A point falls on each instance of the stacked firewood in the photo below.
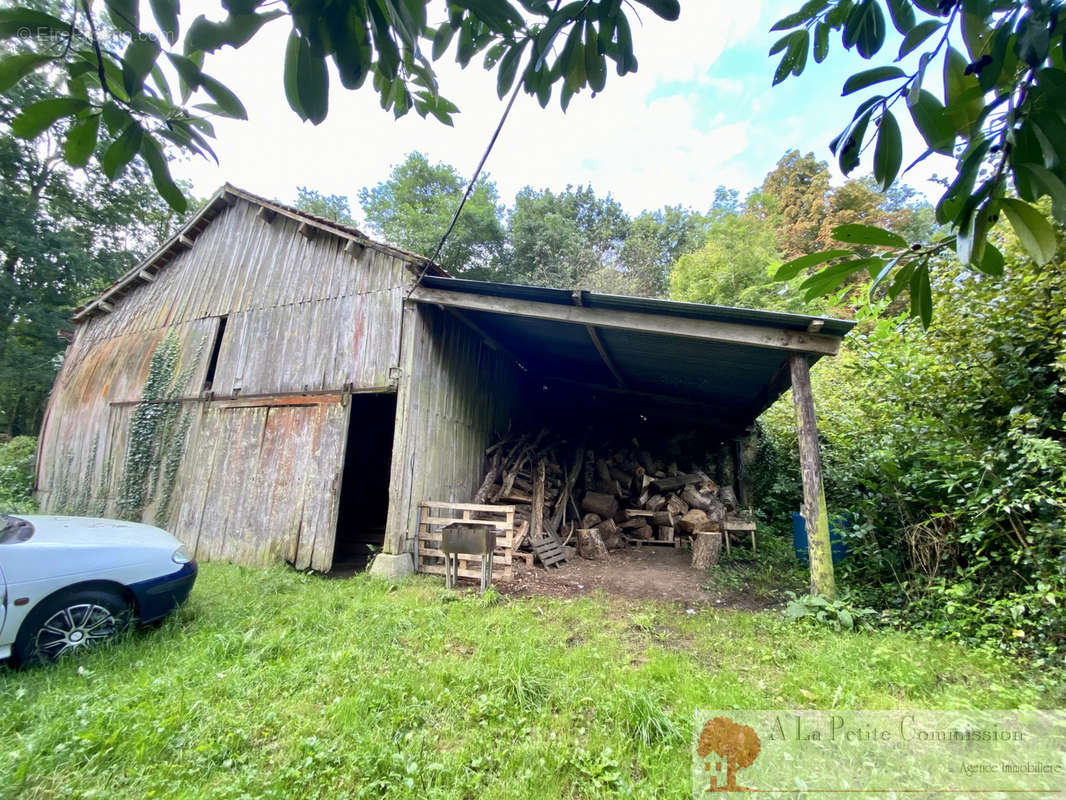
(598, 499)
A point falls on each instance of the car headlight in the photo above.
(181, 555)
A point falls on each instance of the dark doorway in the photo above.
(364, 500)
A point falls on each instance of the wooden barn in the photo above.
(272, 386)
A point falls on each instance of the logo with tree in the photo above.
(736, 745)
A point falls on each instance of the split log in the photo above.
(536, 521)
(676, 505)
(678, 481)
(609, 534)
(644, 533)
(598, 503)
(666, 533)
(706, 548)
(520, 532)
(728, 498)
(631, 524)
(655, 503)
(590, 545)
(664, 518)
(487, 485)
(697, 500)
(590, 520)
(694, 521)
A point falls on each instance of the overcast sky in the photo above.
(699, 112)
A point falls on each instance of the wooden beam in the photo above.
(598, 344)
(105, 306)
(185, 241)
(662, 324)
(489, 340)
(816, 325)
(146, 276)
(819, 554)
(352, 247)
(307, 230)
(268, 215)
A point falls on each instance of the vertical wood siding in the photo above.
(455, 394)
(257, 480)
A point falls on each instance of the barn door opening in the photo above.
(364, 499)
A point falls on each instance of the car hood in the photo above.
(96, 532)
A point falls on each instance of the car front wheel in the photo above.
(71, 622)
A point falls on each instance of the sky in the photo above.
(700, 112)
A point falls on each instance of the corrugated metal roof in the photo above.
(726, 383)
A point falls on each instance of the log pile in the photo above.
(598, 499)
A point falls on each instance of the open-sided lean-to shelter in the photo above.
(270, 385)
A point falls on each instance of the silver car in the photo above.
(67, 583)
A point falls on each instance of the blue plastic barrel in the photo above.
(799, 538)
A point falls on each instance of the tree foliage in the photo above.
(413, 208)
(948, 449)
(333, 207)
(65, 234)
(130, 92)
(997, 106)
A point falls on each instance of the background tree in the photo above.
(799, 185)
(334, 206)
(731, 268)
(998, 108)
(65, 234)
(564, 239)
(656, 239)
(412, 209)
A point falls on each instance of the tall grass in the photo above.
(273, 684)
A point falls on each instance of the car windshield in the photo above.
(14, 530)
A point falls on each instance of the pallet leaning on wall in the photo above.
(433, 516)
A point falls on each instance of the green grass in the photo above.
(270, 683)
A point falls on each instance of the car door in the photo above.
(3, 602)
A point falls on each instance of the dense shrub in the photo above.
(16, 475)
(949, 448)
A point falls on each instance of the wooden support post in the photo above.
(819, 554)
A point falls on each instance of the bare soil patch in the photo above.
(645, 573)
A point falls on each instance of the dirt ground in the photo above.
(635, 573)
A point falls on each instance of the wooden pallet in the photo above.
(433, 516)
(638, 542)
(549, 550)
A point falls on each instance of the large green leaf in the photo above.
(509, 67)
(164, 183)
(292, 72)
(918, 34)
(39, 117)
(888, 154)
(125, 15)
(902, 13)
(228, 103)
(1050, 184)
(236, 30)
(81, 141)
(933, 124)
(1034, 232)
(868, 234)
(16, 21)
(860, 80)
(166, 17)
(122, 150)
(790, 269)
(15, 68)
(667, 9)
(830, 278)
(137, 62)
(963, 94)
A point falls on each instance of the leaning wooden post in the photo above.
(819, 554)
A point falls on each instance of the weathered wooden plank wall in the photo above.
(455, 393)
(255, 480)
